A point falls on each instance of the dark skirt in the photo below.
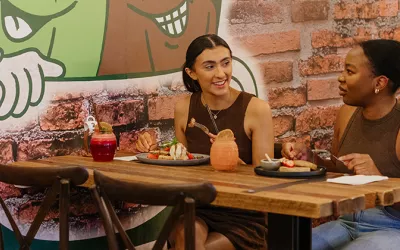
(245, 229)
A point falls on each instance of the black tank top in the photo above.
(232, 118)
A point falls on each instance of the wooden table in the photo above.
(290, 203)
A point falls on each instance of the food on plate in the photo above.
(159, 152)
(173, 150)
(294, 169)
(296, 165)
(288, 163)
(165, 157)
(306, 164)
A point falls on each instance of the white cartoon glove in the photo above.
(22, 81)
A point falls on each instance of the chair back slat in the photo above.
(183, 197)
(157, 195)
(168, 225)
(42, 176)
(57, 180)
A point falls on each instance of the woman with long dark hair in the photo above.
(207, 73)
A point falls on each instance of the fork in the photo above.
(202, 127)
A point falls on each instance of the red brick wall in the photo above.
(300, 46)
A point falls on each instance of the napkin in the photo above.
(126, 158)
(357, 179)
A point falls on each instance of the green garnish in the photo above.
(170, 143)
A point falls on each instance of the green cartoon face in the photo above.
(61, 30)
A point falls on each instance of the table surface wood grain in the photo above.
(313, 199)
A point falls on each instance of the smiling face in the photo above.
(61, 30)
(152, 36)
(213, 70)
(357, 81)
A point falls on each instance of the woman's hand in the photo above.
(360, 164)
(295, 151)
(212, 137)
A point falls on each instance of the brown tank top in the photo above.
(374, 137)
(232, 118)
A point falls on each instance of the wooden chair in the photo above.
(182, 196)
(57, 180)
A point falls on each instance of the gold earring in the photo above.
(376, 91)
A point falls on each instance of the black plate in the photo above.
(321, 171)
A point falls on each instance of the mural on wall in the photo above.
(50, 47)
(60, 41)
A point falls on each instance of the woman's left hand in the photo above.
(212, 137)
(360, 164)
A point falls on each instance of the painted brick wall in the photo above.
(300, 46)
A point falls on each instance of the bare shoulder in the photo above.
(258, 107)
(181, 114)
(344, 114)
(182, 106)
(342, 119)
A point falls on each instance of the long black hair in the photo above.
(197, 46)
(384, 57)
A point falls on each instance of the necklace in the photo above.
(215, 115)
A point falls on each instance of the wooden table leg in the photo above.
(289, 232)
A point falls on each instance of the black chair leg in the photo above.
(1, 240)
(190, 218)
(64, 212)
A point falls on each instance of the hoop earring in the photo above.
(376, 91)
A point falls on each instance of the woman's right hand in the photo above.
(295, 151)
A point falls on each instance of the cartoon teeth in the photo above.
(174, 22)
(16, 27)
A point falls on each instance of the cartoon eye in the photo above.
(16, 27)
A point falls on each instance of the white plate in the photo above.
(205, 159)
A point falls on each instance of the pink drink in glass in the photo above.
(103, 146)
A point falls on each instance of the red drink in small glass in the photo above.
(103, 146)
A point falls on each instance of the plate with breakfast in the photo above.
(173, 154)
(286, 168)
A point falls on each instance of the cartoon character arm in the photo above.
(22, 80)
